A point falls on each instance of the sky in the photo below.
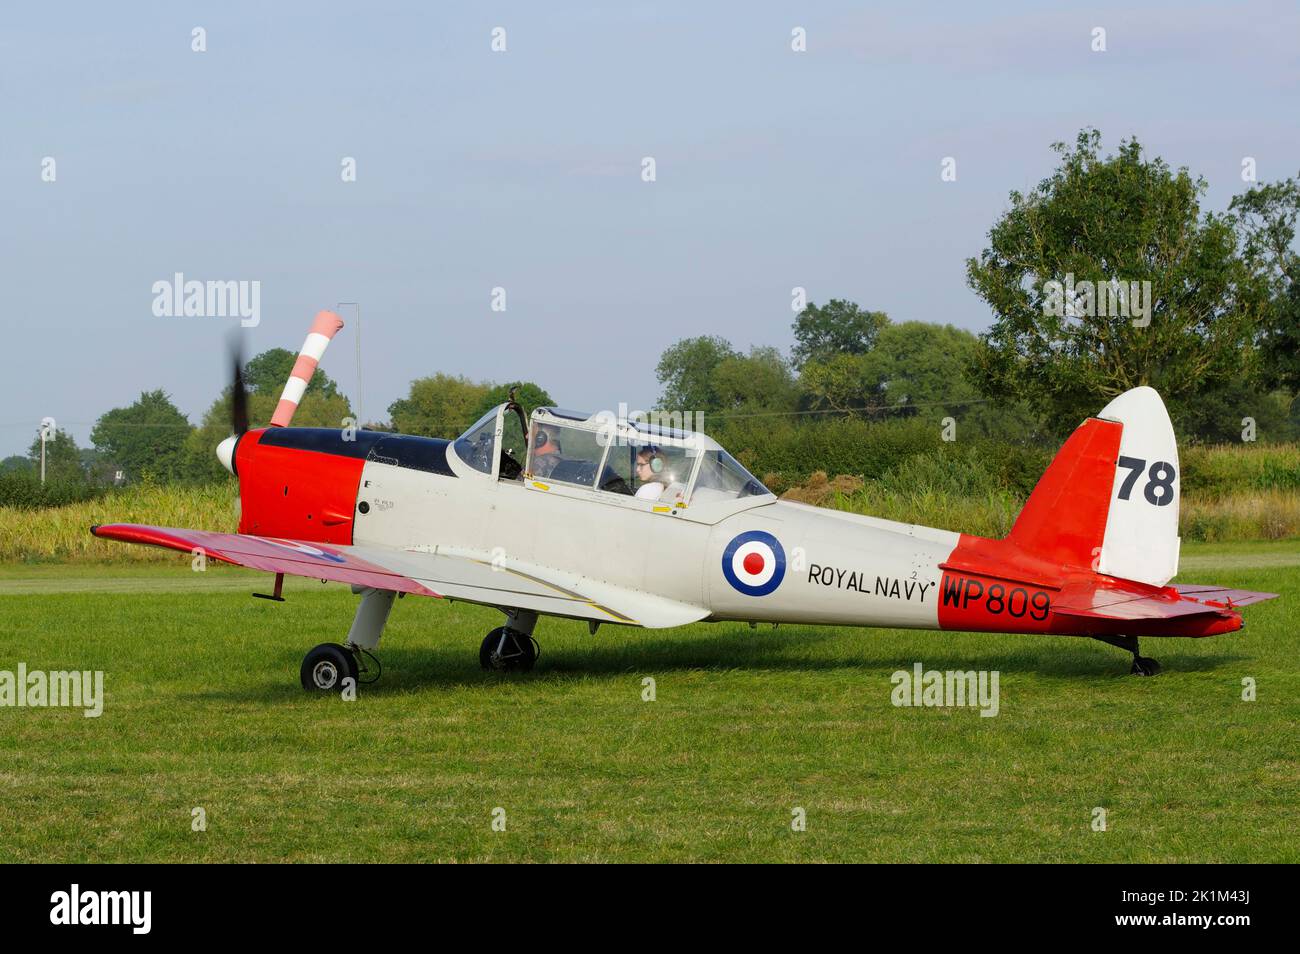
(523, 170)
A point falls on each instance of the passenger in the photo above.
(545, 450)
(651, 474)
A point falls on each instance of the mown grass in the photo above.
(203, 710)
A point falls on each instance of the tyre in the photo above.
(325, 668)
(516, 653)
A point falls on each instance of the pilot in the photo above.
(651, 473)
(546, 450)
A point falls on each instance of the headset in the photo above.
(656, 460)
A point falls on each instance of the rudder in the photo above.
(1109, 500)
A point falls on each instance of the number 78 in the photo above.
(1159, 489)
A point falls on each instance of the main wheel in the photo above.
(516, 653)
(326, 666)
(1144, 666)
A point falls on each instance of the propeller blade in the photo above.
(239, 393)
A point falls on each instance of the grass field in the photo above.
(203, 709)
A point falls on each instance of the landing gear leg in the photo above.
(326, 666)
(367, 627)
(1142, 665)
(511, 647)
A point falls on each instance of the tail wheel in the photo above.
(1144, 666)
(325, 667)
(505, 650)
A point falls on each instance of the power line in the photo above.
(855, 410)
(873, 409)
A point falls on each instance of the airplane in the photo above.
(626, 523)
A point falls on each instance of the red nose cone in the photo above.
(754, 564)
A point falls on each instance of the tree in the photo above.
(99, 468)
(686, 372)
(62, 458)
(1096, 221)
(267, 373)
(912, 363)
(528, 396)
(839, 327)
(839, 382)
(1219, 417)
(439, 406)
(322, 405)
(757, 382)
(16, 464)
(1266, 218)
(147, 437)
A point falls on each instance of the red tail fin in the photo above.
(1064, 520)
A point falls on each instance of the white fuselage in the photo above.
(838, 568)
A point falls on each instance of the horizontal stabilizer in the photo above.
(1103, 600)
(1221, 595)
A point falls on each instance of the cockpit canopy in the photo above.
(604, 453)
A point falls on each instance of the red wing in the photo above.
(459, 575)
(319, 561)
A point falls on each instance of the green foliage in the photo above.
(439, 406)
(267, 373)
(756, 382)
(528, 396)
(1219, 416)
(24, 491)
(1267, 220)
(1225, 470)
(920, 363)
(686, 372)
(707, 375)
(322, 405)
(315, 410)
(14, 463)
(62, 459)
(839, 382)
(792, 451)
(145, 438)
(1123, 218)
(99, 468)
(839, 327)
(912, 365)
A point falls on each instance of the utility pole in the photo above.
(47, 431)
(356, 336)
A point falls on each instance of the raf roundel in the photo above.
(306, 549)
(754, 563)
